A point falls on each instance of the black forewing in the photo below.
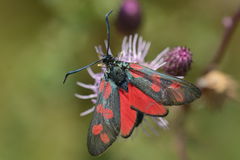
(165, 89)
(105, 126)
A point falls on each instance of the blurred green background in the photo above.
(42, 39)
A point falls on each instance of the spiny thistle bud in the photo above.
(129, 17)
(178, 61)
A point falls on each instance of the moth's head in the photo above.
(107, 59)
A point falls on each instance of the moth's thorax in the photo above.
(115, 70)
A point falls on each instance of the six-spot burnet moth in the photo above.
(127, 92)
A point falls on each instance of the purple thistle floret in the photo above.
(134, 50)
(178, 61)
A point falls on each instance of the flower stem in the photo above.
(230, 24)
(180, 133)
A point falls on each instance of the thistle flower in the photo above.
(129, 17)
(134, 50)
(178, 61)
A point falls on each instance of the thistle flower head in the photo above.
(134, 50)
(129, 17)
(178, 61)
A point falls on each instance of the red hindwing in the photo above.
(145, 104)
(128, 116)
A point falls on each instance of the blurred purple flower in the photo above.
(129, 17)
(134, 50)
(178, 61)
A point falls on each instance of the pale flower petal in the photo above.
(90, 110)
(86, 96)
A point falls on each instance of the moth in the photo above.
(127, 93)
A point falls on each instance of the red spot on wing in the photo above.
(135, 74)
(156, 78)
(128, 116)
(155, 87)
(101, 86)
(145, 104)
(156, 83)
(107, 91)
(104, 138)
(178, 96)
(175, 85)
(177, 92)
(97, 129)
(106, 112)
(99, 108)
(136, 66)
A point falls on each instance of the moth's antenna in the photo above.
(78, 70)
(108, 47)
(108, 31)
